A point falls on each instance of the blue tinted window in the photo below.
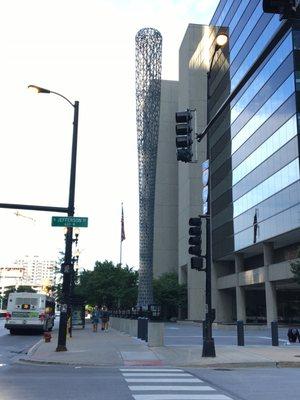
(245, 33)
(270, 146)
(224, 13)
(238, 14)
(268, 70)
(283, 178)
(256, 50)
(275, 101)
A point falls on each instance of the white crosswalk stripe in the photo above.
(171, 388)
(163, 380)
(168, 384)
(129, 374)
(181, 397)
(149, 370)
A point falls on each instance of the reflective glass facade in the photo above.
(254, 141)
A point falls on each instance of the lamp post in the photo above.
(208, 349)
(68, 264)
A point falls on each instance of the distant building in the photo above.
(30, 271)
(11, 276)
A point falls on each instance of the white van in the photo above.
(30, 311)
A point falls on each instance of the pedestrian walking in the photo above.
(95, 318)
(104, 318)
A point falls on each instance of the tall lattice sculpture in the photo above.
(148, 43)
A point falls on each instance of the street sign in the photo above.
(77, 222)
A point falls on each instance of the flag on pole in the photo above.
(122, 226)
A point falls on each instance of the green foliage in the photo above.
(110, 285)
(295, 269)
(12, 289)
(169, 294)
(24, 288)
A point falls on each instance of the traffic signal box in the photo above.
(195, 242)
(184, 139)
(287, 8)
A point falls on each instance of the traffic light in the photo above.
(197, 263)
(184, 139)
(287, 8)
(195, 242)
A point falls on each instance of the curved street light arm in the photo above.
(60, 95)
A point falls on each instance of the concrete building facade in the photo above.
(165, 250)
(191, 95)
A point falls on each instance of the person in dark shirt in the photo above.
(104, 318)
(95, 318)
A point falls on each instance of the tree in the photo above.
(13, 289)
(24, 288)
(295, 269)
(108, 284)
(169, 294)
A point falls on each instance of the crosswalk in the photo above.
(168, 384)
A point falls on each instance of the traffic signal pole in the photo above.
(208, 349)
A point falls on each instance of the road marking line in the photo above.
(163, 380)
(171, 388)
(181, 397)
(128, 374)
(181, 336)
(149, 370)
(184, 345)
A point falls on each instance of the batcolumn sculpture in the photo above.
(148, 43)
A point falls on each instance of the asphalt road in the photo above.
(31, 382)
(191, 335)
(13, 346)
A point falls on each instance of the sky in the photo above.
(85, 50)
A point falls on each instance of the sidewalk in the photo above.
(115, 349)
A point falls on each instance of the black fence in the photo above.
(153, 313)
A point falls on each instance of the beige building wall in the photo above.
(192, 94)
(165, 251)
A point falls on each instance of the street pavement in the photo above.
(190, 334)
(114, 348)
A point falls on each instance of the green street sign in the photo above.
(75, 222)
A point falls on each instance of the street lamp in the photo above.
(208, 349)
(68, 262)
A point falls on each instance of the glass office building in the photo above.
(253, 111)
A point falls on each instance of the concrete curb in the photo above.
(231, 365)
(41, 362)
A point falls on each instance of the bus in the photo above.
(30, 311)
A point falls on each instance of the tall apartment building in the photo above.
(11, 276)
(38, 272)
